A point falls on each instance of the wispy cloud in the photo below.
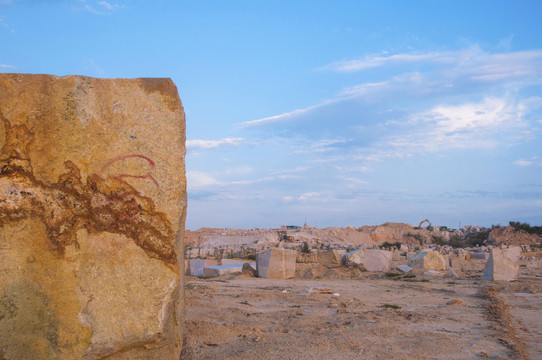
(373, 61)
(197, 180)
(532, 161)
(100, 7)
(210, 144)
(6, 66)
(463, 126)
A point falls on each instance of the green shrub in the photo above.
(478, 238)
(390, 246)
(390, 306)
(526, 227)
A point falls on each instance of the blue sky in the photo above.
(335, 113)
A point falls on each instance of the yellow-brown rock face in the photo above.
(92, 210)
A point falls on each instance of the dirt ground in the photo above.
(365, 316)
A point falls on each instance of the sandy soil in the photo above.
(368, 317)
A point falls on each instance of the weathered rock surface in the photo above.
(428, 260)
(502, 265)
(276, 263)
(92, 209)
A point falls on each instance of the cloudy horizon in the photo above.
(352, 113)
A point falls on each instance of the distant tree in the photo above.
(526, 227)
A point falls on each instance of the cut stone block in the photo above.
(331, 258)
(354, 258)
(428, 260)
(502, 265)
(311, 257)
(479, 255)
(218, 270)
(197, 266)
(377, 260)
(276, 264)
(92, 210)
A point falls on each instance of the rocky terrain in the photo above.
(348, 315)
(424, 299)
(240, 243)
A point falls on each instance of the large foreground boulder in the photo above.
(428, 260)
(92, 210)
(502, 265)
(276, 263)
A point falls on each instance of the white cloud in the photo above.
(457, 72)
(106, 5)
(373, 61)
(354, 169)
(5, 66)
(523, 162)
(100, 7)
(287, 115)
(528, 162)
(198, 180)
(210, 144)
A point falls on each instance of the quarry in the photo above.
(392, 291)
(96, 263)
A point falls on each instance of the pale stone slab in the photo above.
(213, 271)
(503, 264)
(276, 263)
(377, 260)
(404, 268)
(197, 266)
(92, 210)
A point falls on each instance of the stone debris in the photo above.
(455, 302)
(432, 273)
(428, 260)
(320, 290)
(502, 265)
(451, 273)
(249, 270)
(404, 268)
(276, 263)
